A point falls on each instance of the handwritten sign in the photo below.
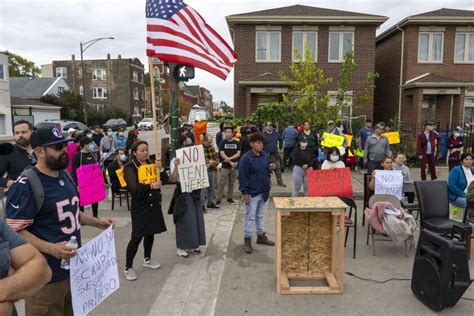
(147, 174)
(94, 273)
(213, 129)
(192, 169)
(393, 137)
(389, 182)
(91, 184)
(122, 181)
(330, 182)
(331, 140)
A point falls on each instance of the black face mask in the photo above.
(57, 164)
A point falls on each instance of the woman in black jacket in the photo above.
(302, 158)
(84, 157)
(146, 213)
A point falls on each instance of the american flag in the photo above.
(176, 33)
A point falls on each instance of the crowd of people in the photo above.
(43, 204)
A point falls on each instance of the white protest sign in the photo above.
(389, 182)
(192, 169)
(94, 274)
(213, 129)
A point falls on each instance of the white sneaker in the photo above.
(182, 253)
(150, 264)
(130, 275)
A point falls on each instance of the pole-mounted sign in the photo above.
(183, 73)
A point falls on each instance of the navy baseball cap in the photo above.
(43, 137)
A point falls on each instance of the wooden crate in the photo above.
(309, 245)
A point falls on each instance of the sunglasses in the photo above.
(58, 147)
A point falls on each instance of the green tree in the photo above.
(21, 67)
(227, 109)
(276, 112)
(72, 105)
(307, 91)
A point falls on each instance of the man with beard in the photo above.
(21, 157)
(49, 225)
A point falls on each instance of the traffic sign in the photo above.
(183, 73)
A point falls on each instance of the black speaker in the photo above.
(441, 270)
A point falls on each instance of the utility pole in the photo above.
(174, 111)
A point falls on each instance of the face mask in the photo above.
(89, 135)
(457, 134)
(334, 158)
(120, 134)
(109, 133)
(123, 157)
(303, 145)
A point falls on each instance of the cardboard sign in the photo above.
(91, 184)
(337, 182)
(331, 140)
(122, 181)
(213, 129)
(147, 174)
(393, 137)
(94, 273)
(389, 182)
(192, 169)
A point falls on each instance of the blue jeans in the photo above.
(210, 190)
(255, 212)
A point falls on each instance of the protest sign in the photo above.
(192, 169)
(213, 129)
(91, 184)
(330, 182)
(122, 181)
(331, 140)
(349, 140)
(389, 182)
(393, 137)
(94, 273)
(147, 174)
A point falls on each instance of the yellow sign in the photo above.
(393, 137)
(119, 173)
(331, 140)
(147, 174)
(349, 140)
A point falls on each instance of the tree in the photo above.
(276, 112)
(307, 93)
(21, 67)
(227, 109)
(72, 105)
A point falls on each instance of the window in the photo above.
(61, 72)
(464, 49)
(268, 46)
(136, 110)
(2, 72)
(428, 108)
(339, 44)
(61, 89)
(302, 40)
(135, 94)
(99, 74)
(430, 47)
(346, 109)
(469, 110)
(135, 76)
(99, 93)
(81, 90)
(99, 107)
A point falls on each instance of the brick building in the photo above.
(264, 42)
(108, 82)
(426, 68)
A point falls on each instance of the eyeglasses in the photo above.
(57, 147)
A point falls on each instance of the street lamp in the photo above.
(83, 47)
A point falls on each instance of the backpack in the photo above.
(37, 186)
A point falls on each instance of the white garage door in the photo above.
(41, 116)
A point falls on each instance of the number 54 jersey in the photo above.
(56, 221)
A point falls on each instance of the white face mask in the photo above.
(120, 134)
(109, 133)
(457, 134)
(303, 145)
(334, 158)
(89, 135)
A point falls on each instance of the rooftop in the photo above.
(33, 88)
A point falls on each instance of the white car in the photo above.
(145, 124)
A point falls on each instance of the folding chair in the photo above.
(411, 207)
(392, 199)
(349, 222)
(367, 194)
(119, 194)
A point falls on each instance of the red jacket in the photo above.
(422, 142)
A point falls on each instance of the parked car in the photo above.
(63, 125)
(145, 124)
(115, 124)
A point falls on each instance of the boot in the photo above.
(263, 240)
(248, 245)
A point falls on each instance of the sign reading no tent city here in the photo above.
(192, 169)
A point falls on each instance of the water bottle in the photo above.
(71, 244)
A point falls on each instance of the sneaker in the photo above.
(282, 184)
(130, 275)
(182, 253)
(196, 251)
(231, 201)
(212, 206)
(218, 204)
(148, 263)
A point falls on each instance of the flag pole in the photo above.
(153, 106)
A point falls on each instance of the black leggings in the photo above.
(95, 209)
(132, 248)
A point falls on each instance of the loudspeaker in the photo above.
(441, 270)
